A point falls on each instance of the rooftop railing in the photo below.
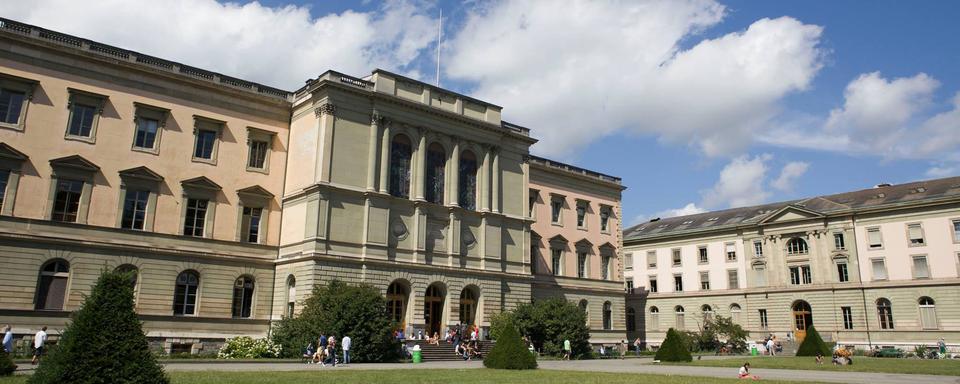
(574, 169)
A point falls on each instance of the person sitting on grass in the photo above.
(745, 372)
(819, 358)
(309, 353)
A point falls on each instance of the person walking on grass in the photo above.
(8, 339)
(636, 345)
(345, 344)
(39, 340)
(566, 349)
(771, 347)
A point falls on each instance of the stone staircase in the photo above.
(789, 347)
(444, 351)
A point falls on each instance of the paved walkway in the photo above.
(617, 366)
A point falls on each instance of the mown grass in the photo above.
(860, 364)
(425, 376)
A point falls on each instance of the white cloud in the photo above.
(279, 46)
(741, 183)
(586, 69)
(689, 209)
(939, 171)
(789, 174)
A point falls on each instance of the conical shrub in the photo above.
(673, 348)
(104, 343)
(813, 343)
(7, 367)
(509, 352)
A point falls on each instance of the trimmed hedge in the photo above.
(509, 351)
(812, 344)
(673, 348)
(104, 343)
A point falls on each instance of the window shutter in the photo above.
(731, 248)
(915, 232)
(874, 236)
(879, 270)
(920, 267)
(928, 317)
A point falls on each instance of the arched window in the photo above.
(468, 306)
(435, 173)
(735, 312)
(468, 181)
(400, 151)
(396, 303)
(242, 296)
(185, 293)
(707, 312)
(928, 313)
(291, 295)
(885, 312)
(654, 322)
(797, 246)
(52, 285)
(631, 319)
(679, 311)
(132, 271)
(607, 316)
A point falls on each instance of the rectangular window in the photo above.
(532, 203)
(581, 215)
(81, 120)
(257, 156)
(842, 274)
(605, 220)
(731, 249)
(11, 105)
(605, 268)
(847, 317)
(758, 249)
(628, 262)
(196, 217)
(556, 206)
(653, 284)
(800, 275)
(676, 257)
(763, 319)
(733, 281)
(805, 271)
(874, 240)
(702, 252)
(915, 234)
(555, 255)
(66, 203)
(920, 269)
(204, 145)
(956, 231)
(838, 242)
(534, 258)
(581, 264)
(134, 209)
(879, 269)
(678, 283)
(705, 281)
(651, 259)
(146, 135)
(4, 179)
(250, 224)
(629, 285)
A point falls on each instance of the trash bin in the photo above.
(754, 351)
(417, 357)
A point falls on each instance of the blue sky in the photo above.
(696, 105)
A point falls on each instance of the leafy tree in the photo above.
(7, 367)
(341, 309)
(104, 343)
(812, 344)
(551, 321)
(509, 351)
(673, 348)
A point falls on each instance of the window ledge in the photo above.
(16, 127)
(204, 161)
(88, 140)
(152, 151)
(258, 170)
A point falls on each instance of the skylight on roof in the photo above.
(714, 218)
(687, 222)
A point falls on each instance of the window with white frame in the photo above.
(758, 248)
(838, 242)
(764, 324)
(879, 269)
(628, 261)
(800, 275)
(257, 151)
(15, 95)
(703, 257)
(675, 253)
(148, 124)
(678, 283)
(956, 230)
(556, 261)
(797, 246)
(85, 110)
(928, 313)
(653, 284)
(582, 214)
(915, 234)
(651, 259)
(705, 281)
(581, 264)
(556, 210)
(920, 268)
(206, 139)
(196, 217)
(874, 238)
(731, 251)
(605, 219)
(605, 268)
(885, 313)
(843, 274)
(847, 317)
(733, 280)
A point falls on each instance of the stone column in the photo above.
(485, 181)
(495, 185)
(454, 186)
(385, 158)
(326, 116)
(375, 122)
(420, 169)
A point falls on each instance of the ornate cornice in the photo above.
(326, 109)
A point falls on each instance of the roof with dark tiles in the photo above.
(881, 196)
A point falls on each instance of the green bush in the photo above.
(509, 351)
(340, 309)
(104, 343)
(245, 347)
(7, 367)
(673, 348)
(551, 321)
(812, 344)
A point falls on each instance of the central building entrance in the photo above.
(802, 319)
(433, 308)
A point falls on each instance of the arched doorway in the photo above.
(397, 304)
(433, 308)
(468, 306)
(802, 319)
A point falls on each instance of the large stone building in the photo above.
(231, 199)
(875, 267)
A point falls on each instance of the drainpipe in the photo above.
(863, 293)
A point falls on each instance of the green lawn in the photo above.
(860, 364)
(459, 376)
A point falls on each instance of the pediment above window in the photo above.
(9, 153)
(74, 162)
(255, 191)
(791, 213)
(201, 182)
(558, 239)
(141, 173)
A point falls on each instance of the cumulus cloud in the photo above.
(789, 174)
(587, 69)
(280, 46)
(741, 183)
(938, 171)
(689, 209)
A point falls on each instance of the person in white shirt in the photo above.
(771, 348)
(345, 344)
(7, 339)
(744, 372)
(38, 342)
